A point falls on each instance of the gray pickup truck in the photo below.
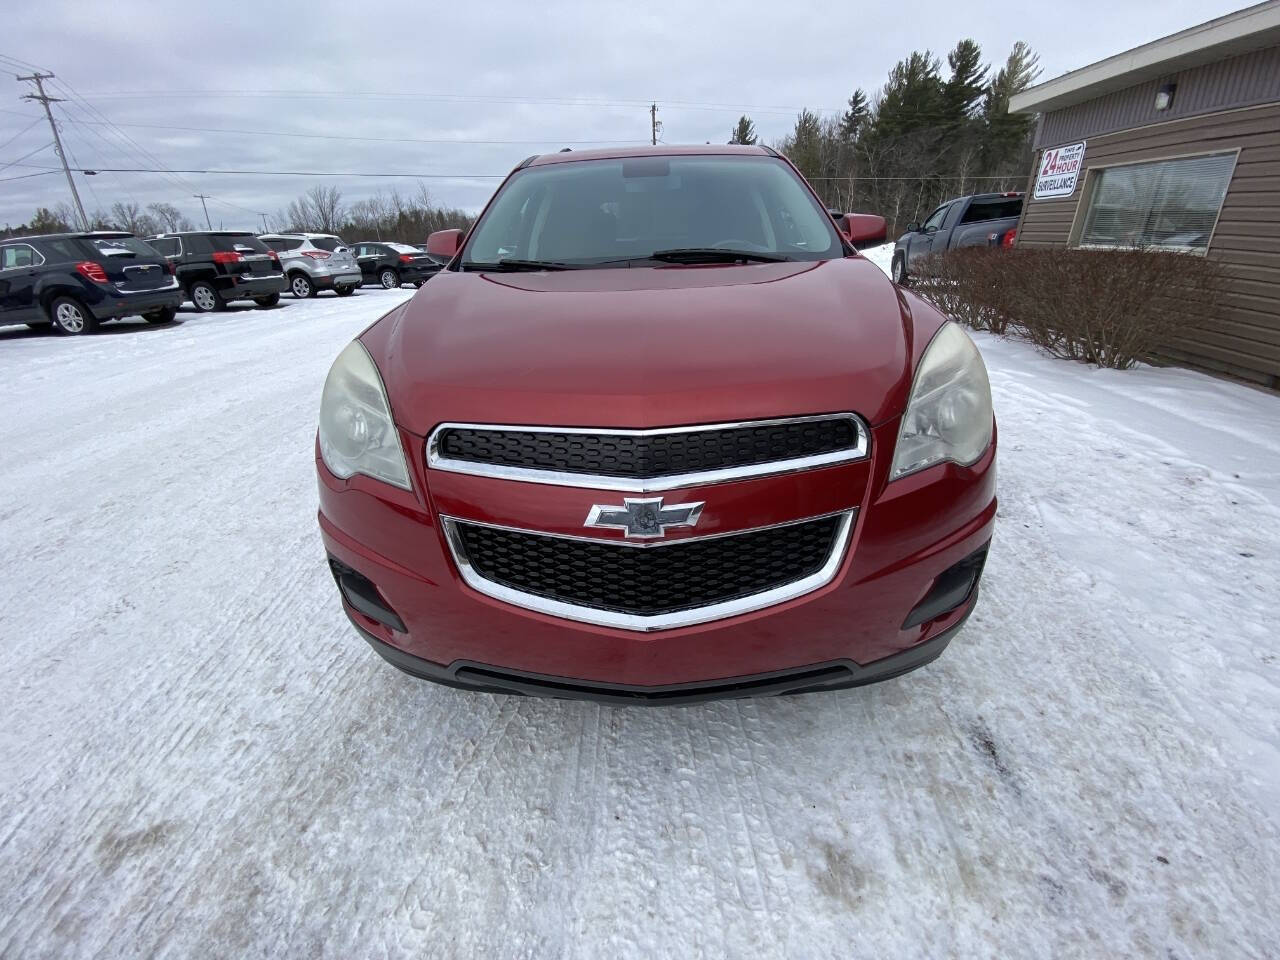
(963, 222)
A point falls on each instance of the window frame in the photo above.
(25, 266)
(175, 239)
(942, 208)
(1092, 177)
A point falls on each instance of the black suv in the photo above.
(391, 264)
(217, 266)
(74, 280)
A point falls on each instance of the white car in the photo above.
(315, 261)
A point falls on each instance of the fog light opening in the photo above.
(362, 596)
(952, 589)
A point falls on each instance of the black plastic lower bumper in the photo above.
(249, 287)
(832, 675)
(134, 304)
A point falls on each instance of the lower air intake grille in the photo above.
(645, 582)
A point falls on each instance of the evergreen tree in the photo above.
(963, 91)
(912, 97)
(855, 118)
(1007, 134)
(744, 132)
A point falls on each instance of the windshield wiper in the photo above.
(714, 255)
(515, 266)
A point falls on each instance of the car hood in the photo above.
(647, 346)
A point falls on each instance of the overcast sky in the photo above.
(461, 73)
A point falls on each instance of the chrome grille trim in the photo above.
(662, 621)
(437, 460)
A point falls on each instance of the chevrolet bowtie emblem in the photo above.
(644, 518)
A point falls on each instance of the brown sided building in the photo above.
(1175, 145)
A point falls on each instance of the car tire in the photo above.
(389, 279)
(300, 286)
(417, 284)
(163, 315)
(267, 301)
(205, 298)
(344, 291)
(899, 270)
(70, 317)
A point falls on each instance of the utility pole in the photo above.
(654, 124)
(202, 198)
(264, 222)
(44, 99)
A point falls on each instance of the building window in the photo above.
(1166, 204)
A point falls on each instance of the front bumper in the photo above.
(907, 536)
(833, 675)
(118, 304)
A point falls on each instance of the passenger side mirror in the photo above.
(913, 227)
(445, 243)
(864, 229)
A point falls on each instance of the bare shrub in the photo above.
(1106, 307)
(968, 284)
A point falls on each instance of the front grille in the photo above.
(674, 577)
(645, 455)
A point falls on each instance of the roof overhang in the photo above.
(1252, 28)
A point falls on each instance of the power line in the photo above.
(338, 136)
(19, 163)
(292, 173)
(262, 94)
(19, 133)
(28, 176)
(140, 152)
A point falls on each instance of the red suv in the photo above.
(657, 434)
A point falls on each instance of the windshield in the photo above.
(122, 247)
(590, 212)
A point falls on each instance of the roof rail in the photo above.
(526, 161)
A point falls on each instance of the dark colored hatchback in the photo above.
(391, 264)
(75, 280)
(217, 267)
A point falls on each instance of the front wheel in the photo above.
(302, 287)
(163, 315)
(71, 317)
(268, 301)
(899, 270)
(205, 298)
(344, 291)
(389, 279)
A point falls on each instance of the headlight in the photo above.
(949, 414)
(356, 432)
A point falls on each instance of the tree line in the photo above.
(922, 138)
(388, 215)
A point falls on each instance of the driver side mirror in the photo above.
(913, 227)
(445, 243)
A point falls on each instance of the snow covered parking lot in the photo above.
(201, 758)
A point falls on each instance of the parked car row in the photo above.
(74, 281)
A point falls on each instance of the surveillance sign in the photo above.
(1059, 168)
